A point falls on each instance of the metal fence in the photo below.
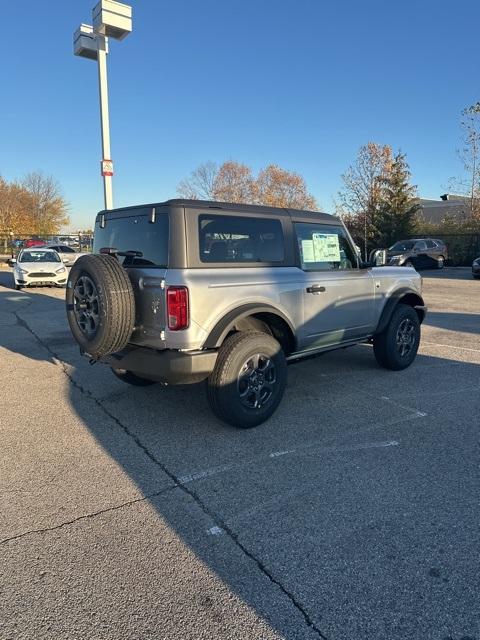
(10, 245)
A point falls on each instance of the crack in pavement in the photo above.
(215, 517)
(85, 516)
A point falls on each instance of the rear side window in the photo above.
(430, 244)
(234, 239)
(323, 247)
(135, 233)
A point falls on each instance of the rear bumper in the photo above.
(167, 366)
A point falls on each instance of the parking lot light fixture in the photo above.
(110, 19)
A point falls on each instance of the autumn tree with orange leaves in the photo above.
(34, 206)
(235, 182)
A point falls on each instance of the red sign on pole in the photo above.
(107, 167)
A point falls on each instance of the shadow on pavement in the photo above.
(296, 529)
(463, 322)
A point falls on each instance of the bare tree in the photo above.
(469, 154)
(277, 187)
(200, 185)
(363, 186)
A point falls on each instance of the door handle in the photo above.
(316, 288)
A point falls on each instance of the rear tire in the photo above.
(131, 378)
(396, 347)
(249, 379)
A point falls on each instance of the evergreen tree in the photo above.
(399, 204)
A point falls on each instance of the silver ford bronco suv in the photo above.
(185, 290)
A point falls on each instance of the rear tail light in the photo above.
(177, 308)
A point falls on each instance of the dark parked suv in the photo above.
(183, 291)
(419, 253)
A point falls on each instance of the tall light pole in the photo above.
(111, 19)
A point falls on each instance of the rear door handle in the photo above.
(316, 288)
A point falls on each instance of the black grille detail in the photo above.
(41, 275)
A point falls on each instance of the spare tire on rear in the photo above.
(100, 305)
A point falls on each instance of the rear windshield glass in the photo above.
(230, 239)
(135, 233)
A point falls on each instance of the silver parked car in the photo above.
(67, 253)
(419, 253)
(183, 291)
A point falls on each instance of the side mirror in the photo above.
(378, 258)
(12, 262)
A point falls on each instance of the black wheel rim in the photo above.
(256, 381)
(86, 305)
(406, 333)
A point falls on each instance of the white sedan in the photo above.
(39, 267)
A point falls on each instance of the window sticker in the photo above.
(308, 253)
(326, 247)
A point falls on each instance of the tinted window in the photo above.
(235, 239)
(430, 244)
(420, 246)
(323, 247)
(65, 249)
(135, 233)
(403, 245)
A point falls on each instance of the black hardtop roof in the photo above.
(227, 207)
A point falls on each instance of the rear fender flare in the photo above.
(226, 324)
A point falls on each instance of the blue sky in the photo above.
(301, 83)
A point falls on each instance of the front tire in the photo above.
(440, 262)
(249, 379)
(396, 347)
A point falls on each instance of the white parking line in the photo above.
(308, 448)
(215, 531)
(450, 346)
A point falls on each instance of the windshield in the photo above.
(403, 245)
(39, 256)
(137, 234)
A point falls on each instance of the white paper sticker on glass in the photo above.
(326, 247)
(308, 253)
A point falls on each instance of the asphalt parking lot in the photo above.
(133, 513)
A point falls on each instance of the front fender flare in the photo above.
(412, 297)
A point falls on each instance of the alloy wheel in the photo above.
(256, 381)
(405, 339)
(86, 305)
